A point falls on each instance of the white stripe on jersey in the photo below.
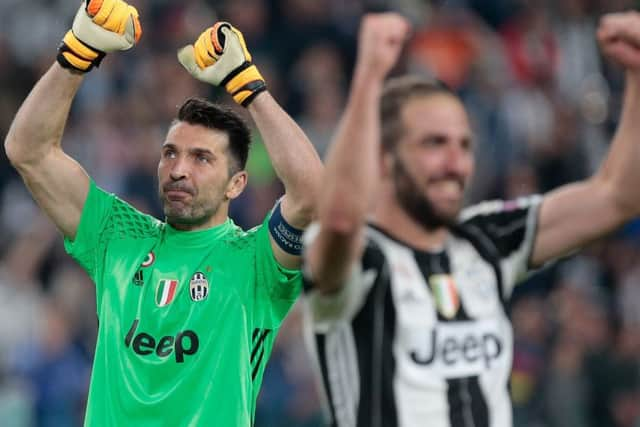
(344, 381)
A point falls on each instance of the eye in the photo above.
(201, 158)
(433, 141)
(169, 153)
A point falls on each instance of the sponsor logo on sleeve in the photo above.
(198, 287)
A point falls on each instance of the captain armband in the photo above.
(288, 238)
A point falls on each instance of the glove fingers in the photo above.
(93, 6)
(100, 10)
(204, 50)
(117, 19)
(132, 28)
(235, 42)
(218, 36)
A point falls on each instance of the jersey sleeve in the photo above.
(86, 247)
(343, 305)
(510, 228)
(282, 285)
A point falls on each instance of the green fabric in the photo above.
(166, 359)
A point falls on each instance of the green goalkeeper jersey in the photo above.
(187, 320)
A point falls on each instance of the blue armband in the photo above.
(286, 236)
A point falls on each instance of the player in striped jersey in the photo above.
(407, 304)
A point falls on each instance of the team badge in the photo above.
(198, 287)
(148, 260)
(166, 292)
(446, 294)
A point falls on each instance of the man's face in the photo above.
(193, 175)
(433, 160)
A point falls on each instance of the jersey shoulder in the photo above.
(506, 223)
(127, 222)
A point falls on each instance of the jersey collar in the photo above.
(199, 237)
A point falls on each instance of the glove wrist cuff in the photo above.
(76, 55)
(245, 85)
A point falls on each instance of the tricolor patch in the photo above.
(165, 292)
(446, 294)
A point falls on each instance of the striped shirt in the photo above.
(419, 338)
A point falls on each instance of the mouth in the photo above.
(449, 188)
(177, 193)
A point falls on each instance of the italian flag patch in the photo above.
(165, 292)
(446, 294)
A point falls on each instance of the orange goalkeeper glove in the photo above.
(100, 27)
(220, 57)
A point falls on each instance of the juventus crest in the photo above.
(198, 287)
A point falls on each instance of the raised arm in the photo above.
(293, 157)
(220, 57)
(576, 214)
(33, 144)
(352, 166)
(58, 183)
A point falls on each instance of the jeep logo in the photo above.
(469, 348)
(184, 343)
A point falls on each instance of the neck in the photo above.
(389, 215)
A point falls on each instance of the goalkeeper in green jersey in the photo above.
(188, 308)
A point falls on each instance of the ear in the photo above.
(236, 185)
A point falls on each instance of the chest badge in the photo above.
(198, 287)
(445, 293)
(149, 259)
(166, 292)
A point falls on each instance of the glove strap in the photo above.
(73, 54)
(245, 84)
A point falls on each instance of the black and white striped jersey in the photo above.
(419, 338)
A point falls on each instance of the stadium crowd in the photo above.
(544, 104)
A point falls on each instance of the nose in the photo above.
(179, 169)
(459, 159)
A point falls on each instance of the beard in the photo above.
(416, 204)
(194, 213)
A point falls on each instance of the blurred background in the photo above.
(544, 105)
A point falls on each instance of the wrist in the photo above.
(245, 84)
(369, 79)
(74, 54)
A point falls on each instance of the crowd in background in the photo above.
(544, 105)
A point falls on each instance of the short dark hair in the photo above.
(197, 111)
(397, 92)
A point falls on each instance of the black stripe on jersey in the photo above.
(374, 329)
(258, 338)
(430, 263)
(467, 407)
(467, 403)
(505, 228)
(257, 365)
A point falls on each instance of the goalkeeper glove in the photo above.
(220, 57)
(100, 26)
